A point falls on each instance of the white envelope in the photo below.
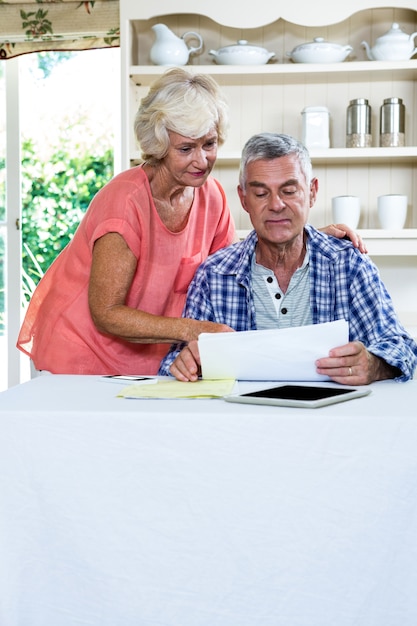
(278, 354)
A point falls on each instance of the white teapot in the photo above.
(394, 45)
(168, 49)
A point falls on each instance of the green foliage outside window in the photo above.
(55, 196)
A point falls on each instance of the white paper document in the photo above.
(281, 354)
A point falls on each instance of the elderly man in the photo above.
(287, 273)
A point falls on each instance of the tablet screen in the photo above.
(299, 392)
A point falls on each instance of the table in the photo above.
(118, 512)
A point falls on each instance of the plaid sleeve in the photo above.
(197, 306)
(348, 286)
(373, 321)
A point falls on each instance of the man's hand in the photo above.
(187, 365)
(352, 364)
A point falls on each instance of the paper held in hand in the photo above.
(279, 354)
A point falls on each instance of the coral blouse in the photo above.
(58, 332)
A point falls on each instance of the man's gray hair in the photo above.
(267, 146)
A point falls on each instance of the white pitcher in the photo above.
(168, 49)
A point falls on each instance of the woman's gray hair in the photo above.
(267, 146)
(188, 104)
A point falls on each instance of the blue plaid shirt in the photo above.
(344, 284)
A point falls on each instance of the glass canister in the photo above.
(358, 124)
(392, 123)
(316, 127)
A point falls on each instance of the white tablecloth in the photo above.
(121, 512)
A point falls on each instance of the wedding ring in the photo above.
(350, 371)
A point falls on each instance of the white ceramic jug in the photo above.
(168, 49)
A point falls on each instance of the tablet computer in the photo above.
(305, 396)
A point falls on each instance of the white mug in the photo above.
(346, 210)
(392, 211)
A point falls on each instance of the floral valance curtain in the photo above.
(38, 25)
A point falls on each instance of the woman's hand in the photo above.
(341, 231)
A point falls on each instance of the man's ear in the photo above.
(314, 187)
(242, 197)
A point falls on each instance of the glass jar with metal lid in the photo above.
(392, 123)
(358, 124)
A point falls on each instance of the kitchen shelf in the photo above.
(381, 242)
(390, 243)
(271, 97)
(347, 155)
(333, 72)
(360, 155)
(351, 155)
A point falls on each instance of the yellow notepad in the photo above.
(177, 389)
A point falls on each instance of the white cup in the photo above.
(392, 211)
(346, 210)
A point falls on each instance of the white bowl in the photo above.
(319, 51)
(241, 53)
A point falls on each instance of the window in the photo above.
(66, 111)
(3, 346)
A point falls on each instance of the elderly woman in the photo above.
(111, 302)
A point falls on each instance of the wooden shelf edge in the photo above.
(332, 154)
(364, 154)
(379, 233)
(380, 242)
(145, 73)
(345, 154)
